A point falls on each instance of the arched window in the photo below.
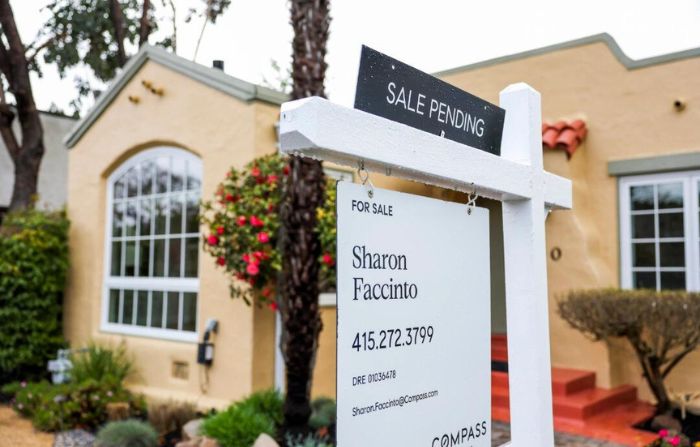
(152, 246)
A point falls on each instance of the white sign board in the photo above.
(414, 361)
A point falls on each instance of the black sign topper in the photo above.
(399, 92)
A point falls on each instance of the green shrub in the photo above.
(323, 411)
(237, 426)
(58, 407)
(33, 269)
(308, 441)
(129, 433)
(268, 403)
(170, 416)
(102, 364)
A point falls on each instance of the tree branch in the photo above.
(666, 371)
(37, 49)
(117, 18)
(145, 24)
(7, 116)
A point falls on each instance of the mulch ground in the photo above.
(18, 432)
(501, 435)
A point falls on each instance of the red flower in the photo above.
(246, 258)
(240, 276)
(266, 292)
(273, 306)
(263, 237)
(271, 207)
(285, 170)
(272, 179)
(255, 172)
(241, 221)
(219, 230)
(328, 259)
(252, 269)
(259, 180)
(663, 433)
(230, 198)
(254, 221)
(221, 260)
(212, 240)
(259, 255)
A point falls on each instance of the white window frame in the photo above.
(691, 224)
(150, 284)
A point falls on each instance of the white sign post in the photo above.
(316, 128)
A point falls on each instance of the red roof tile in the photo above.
(564, 135)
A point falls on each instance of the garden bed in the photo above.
(690, 426)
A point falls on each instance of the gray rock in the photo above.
(191, 429)
(264, 440)
(74, 438)
(666, 421)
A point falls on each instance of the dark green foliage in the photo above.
(237, 426)
(101, 364)
(33, 269)
(244, 421)
(323, 410)
(129, 433)
(308, 441)
(268, 403)
(58, 407)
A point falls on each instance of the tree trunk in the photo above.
(117, 17)
(27, 155)
(145, 23)
(651, 370)
(302, 248)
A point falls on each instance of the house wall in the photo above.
(629, 114)
(53, 170)
(222, 131)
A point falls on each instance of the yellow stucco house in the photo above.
(164, 134)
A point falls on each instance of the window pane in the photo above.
(128, 310)
(194, 181)
(156, 309)
(192, 216)
(173, 310)
(148, 173)
(671, 225)
(177, 174)
(119, 188)
(159, 257)
(673, 280)
(113, 306)
(189, 311)
(132, 182)
(130, 219)
(642, 197)
(161, 216)
(191, 256)
(645, 280)
(174, 258)
(670, 195)
(130, 261)
(142, 308)
(672, 254)
(176, 214)
(643, 226)
(144, 257)
(116, 269)
(118, 220)
(162, 174)
(145, 217)
(644, 255)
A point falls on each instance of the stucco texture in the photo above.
(223, 131)
(629, 114)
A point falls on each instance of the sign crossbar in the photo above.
(316, 128)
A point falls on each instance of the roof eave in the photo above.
(213, 78)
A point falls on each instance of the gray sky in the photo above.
(431, 35)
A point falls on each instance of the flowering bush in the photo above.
(243, 226)
(670, 438)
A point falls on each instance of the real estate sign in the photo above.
(413, 321)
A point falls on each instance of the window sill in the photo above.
(160, 334)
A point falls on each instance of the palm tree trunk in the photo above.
(301, 247)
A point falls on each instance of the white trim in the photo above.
(327, 299)
(162, 284)
(689, 181)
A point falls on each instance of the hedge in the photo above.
(33, 269)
